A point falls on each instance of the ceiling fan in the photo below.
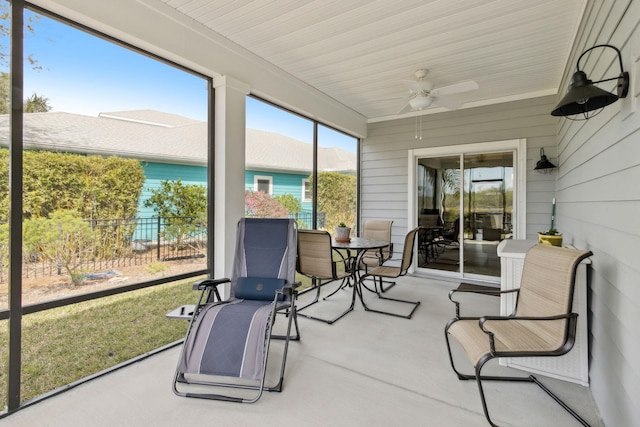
(423, 94)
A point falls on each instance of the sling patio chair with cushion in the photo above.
(377, 229)
(316, 261)
(542, 324)
(227, 343)
(377, 274)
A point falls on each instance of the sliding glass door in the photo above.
(488, 208)
(464, 202)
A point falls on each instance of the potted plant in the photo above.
(551, 236)
(342, 233)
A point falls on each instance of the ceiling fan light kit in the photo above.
(420, 102)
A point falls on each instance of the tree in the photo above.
(5, 34)
(31, 20)
(337, 198)
(183, 208)
(33, 104)
(36, 104)
(5, 93)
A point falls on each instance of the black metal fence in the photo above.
(117, 243)
(305, 219)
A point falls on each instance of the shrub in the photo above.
(258, 204)
(184, 208)
(96, 187)
(290, 203)
(64, 238)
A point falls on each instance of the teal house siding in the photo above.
(156, 172)
(283, 183)
(197, 175)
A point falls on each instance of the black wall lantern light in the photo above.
(584, 100)
(544, 165)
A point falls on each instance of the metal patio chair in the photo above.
(377, 274)
(377, 229)
(316, 261)
(542, 324)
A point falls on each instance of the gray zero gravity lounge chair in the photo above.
(227, 344)
(542, 325)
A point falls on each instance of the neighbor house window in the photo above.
(306, 191)
(264, 184)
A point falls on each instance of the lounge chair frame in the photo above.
(284, 302)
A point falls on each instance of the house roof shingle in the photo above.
(164, 137)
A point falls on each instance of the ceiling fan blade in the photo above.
(447, 103)
(413, 86)
(405, 109)
(455, 88)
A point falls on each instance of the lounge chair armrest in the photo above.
(209, 283)
(290, 288)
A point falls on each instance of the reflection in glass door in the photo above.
(465, 206)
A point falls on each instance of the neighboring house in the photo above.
(277, 164)
(171, 147)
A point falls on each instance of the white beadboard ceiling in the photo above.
(358, 51)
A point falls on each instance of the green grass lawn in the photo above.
(65, 344)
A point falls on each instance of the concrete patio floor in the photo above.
(367, 369)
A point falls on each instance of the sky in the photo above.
(83, 74)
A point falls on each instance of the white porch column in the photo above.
(229, 151)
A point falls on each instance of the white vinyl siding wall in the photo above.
(384, 167)
(599, 208)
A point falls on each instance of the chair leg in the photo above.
(559, 401)
(391, 285)
(530, 379)
(317, 285)
(340, 316)
(343, 285)
(479, 378)
(361, 284)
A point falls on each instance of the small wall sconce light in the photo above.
(544, 165)
(584, 100)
